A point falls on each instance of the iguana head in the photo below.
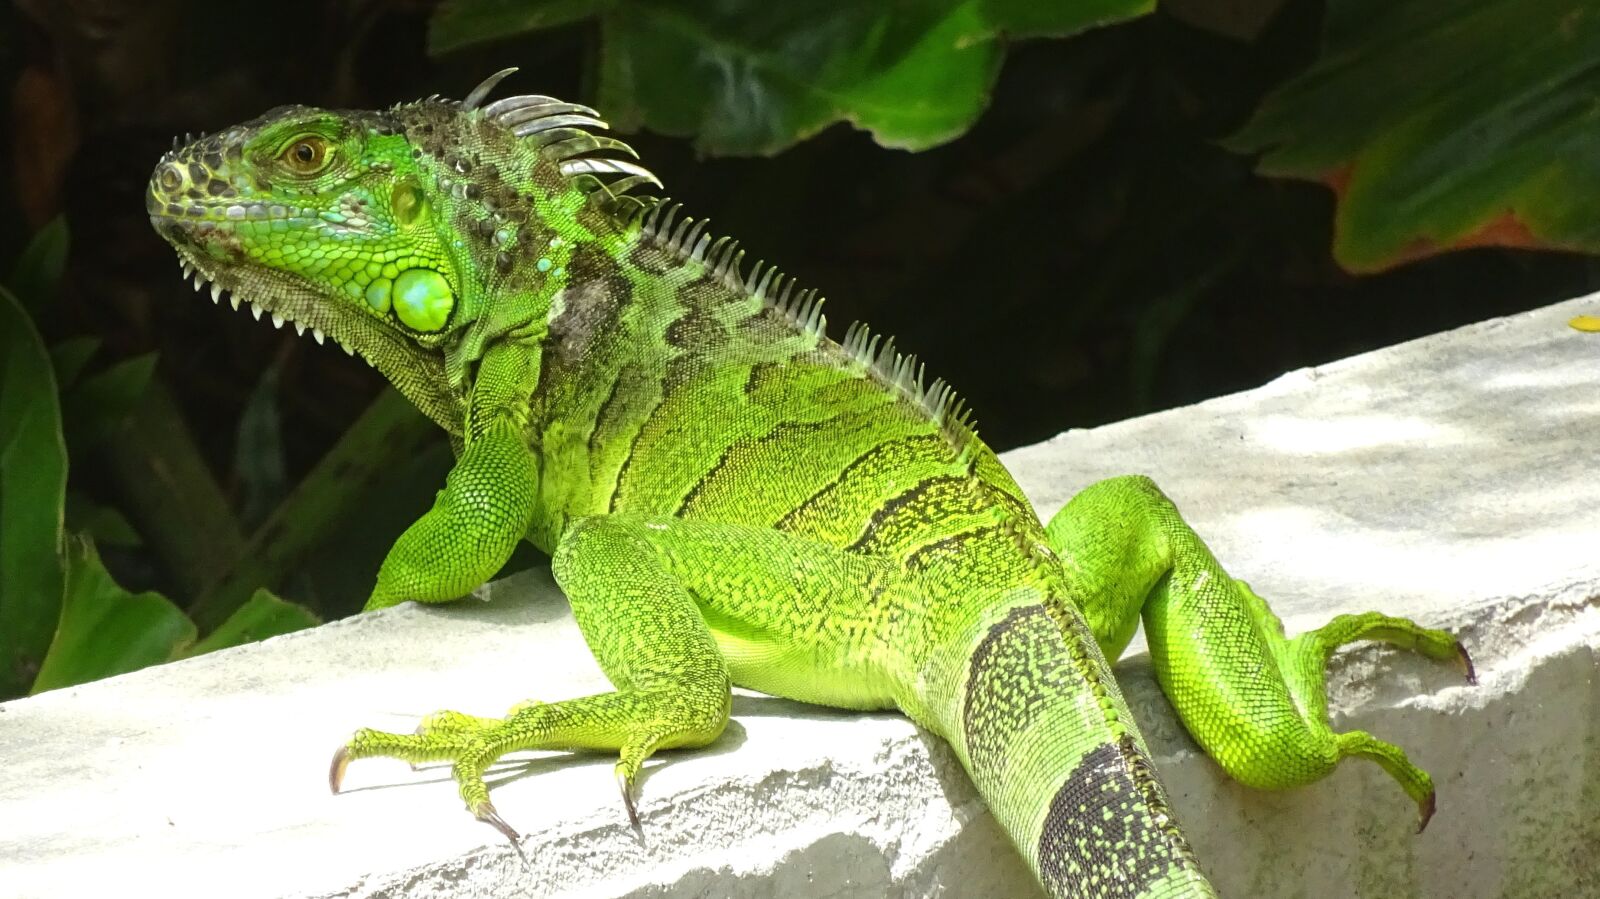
(392, 232)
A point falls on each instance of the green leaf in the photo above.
(461, 23)
(36, 277)
(263, 615)
(754, 80)
(753, 77)
(105, 525)
(1040, 18)
(258, 455)
(106, 630)
(70, 356)
(163, 482)
(33, 482)
(93, 409)
(1443, 124)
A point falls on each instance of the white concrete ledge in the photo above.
(1453, 479)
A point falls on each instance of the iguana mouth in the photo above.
(278, 304)
(291, 299)
(281, 297)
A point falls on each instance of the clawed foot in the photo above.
(484, 810)
(1430, 803)
(1305, 679)
(472, 744)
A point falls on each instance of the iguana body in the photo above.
(729, 497)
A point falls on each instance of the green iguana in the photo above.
(730, 498)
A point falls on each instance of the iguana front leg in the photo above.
(1253, 698)
(488, 499)
(671, 609)
(628, 581)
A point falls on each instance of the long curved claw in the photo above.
(625, 784)
(1466, 662)
(487, 814)
(1425, 810)
(341, 761)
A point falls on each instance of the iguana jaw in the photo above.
(284, 296)
(287, 297)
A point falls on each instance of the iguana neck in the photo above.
(516, 229)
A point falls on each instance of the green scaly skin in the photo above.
(729, 497)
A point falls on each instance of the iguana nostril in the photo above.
(169, 178)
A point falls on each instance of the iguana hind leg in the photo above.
(1254, 699)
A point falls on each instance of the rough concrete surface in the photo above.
(1453, 479)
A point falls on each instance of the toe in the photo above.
(341, 761)
(625, 784)
(486, 813)
(1466, 663)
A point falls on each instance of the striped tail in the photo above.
(1037, 719)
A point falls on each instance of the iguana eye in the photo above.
(306, 156)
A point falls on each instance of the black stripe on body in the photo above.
(759, 374)
(1099, 838)
(1108, 831)
(1009, 684)
(867, 463)
(604, 415)
(698, 329)
(780, 431)
(650, 258)
(917, 505)
(964, 544)
(668, 383)
(702, 411)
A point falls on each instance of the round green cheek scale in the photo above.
(422, 299)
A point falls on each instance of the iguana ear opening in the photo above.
(407, 202)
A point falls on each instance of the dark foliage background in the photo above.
(1089, 251)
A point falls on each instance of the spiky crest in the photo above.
(659, 221)
(561, 132)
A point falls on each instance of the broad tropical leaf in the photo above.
(1444, 124)
(33, 483)
(263, 615)
(37, 273)
(106, 630)
(753, 77)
